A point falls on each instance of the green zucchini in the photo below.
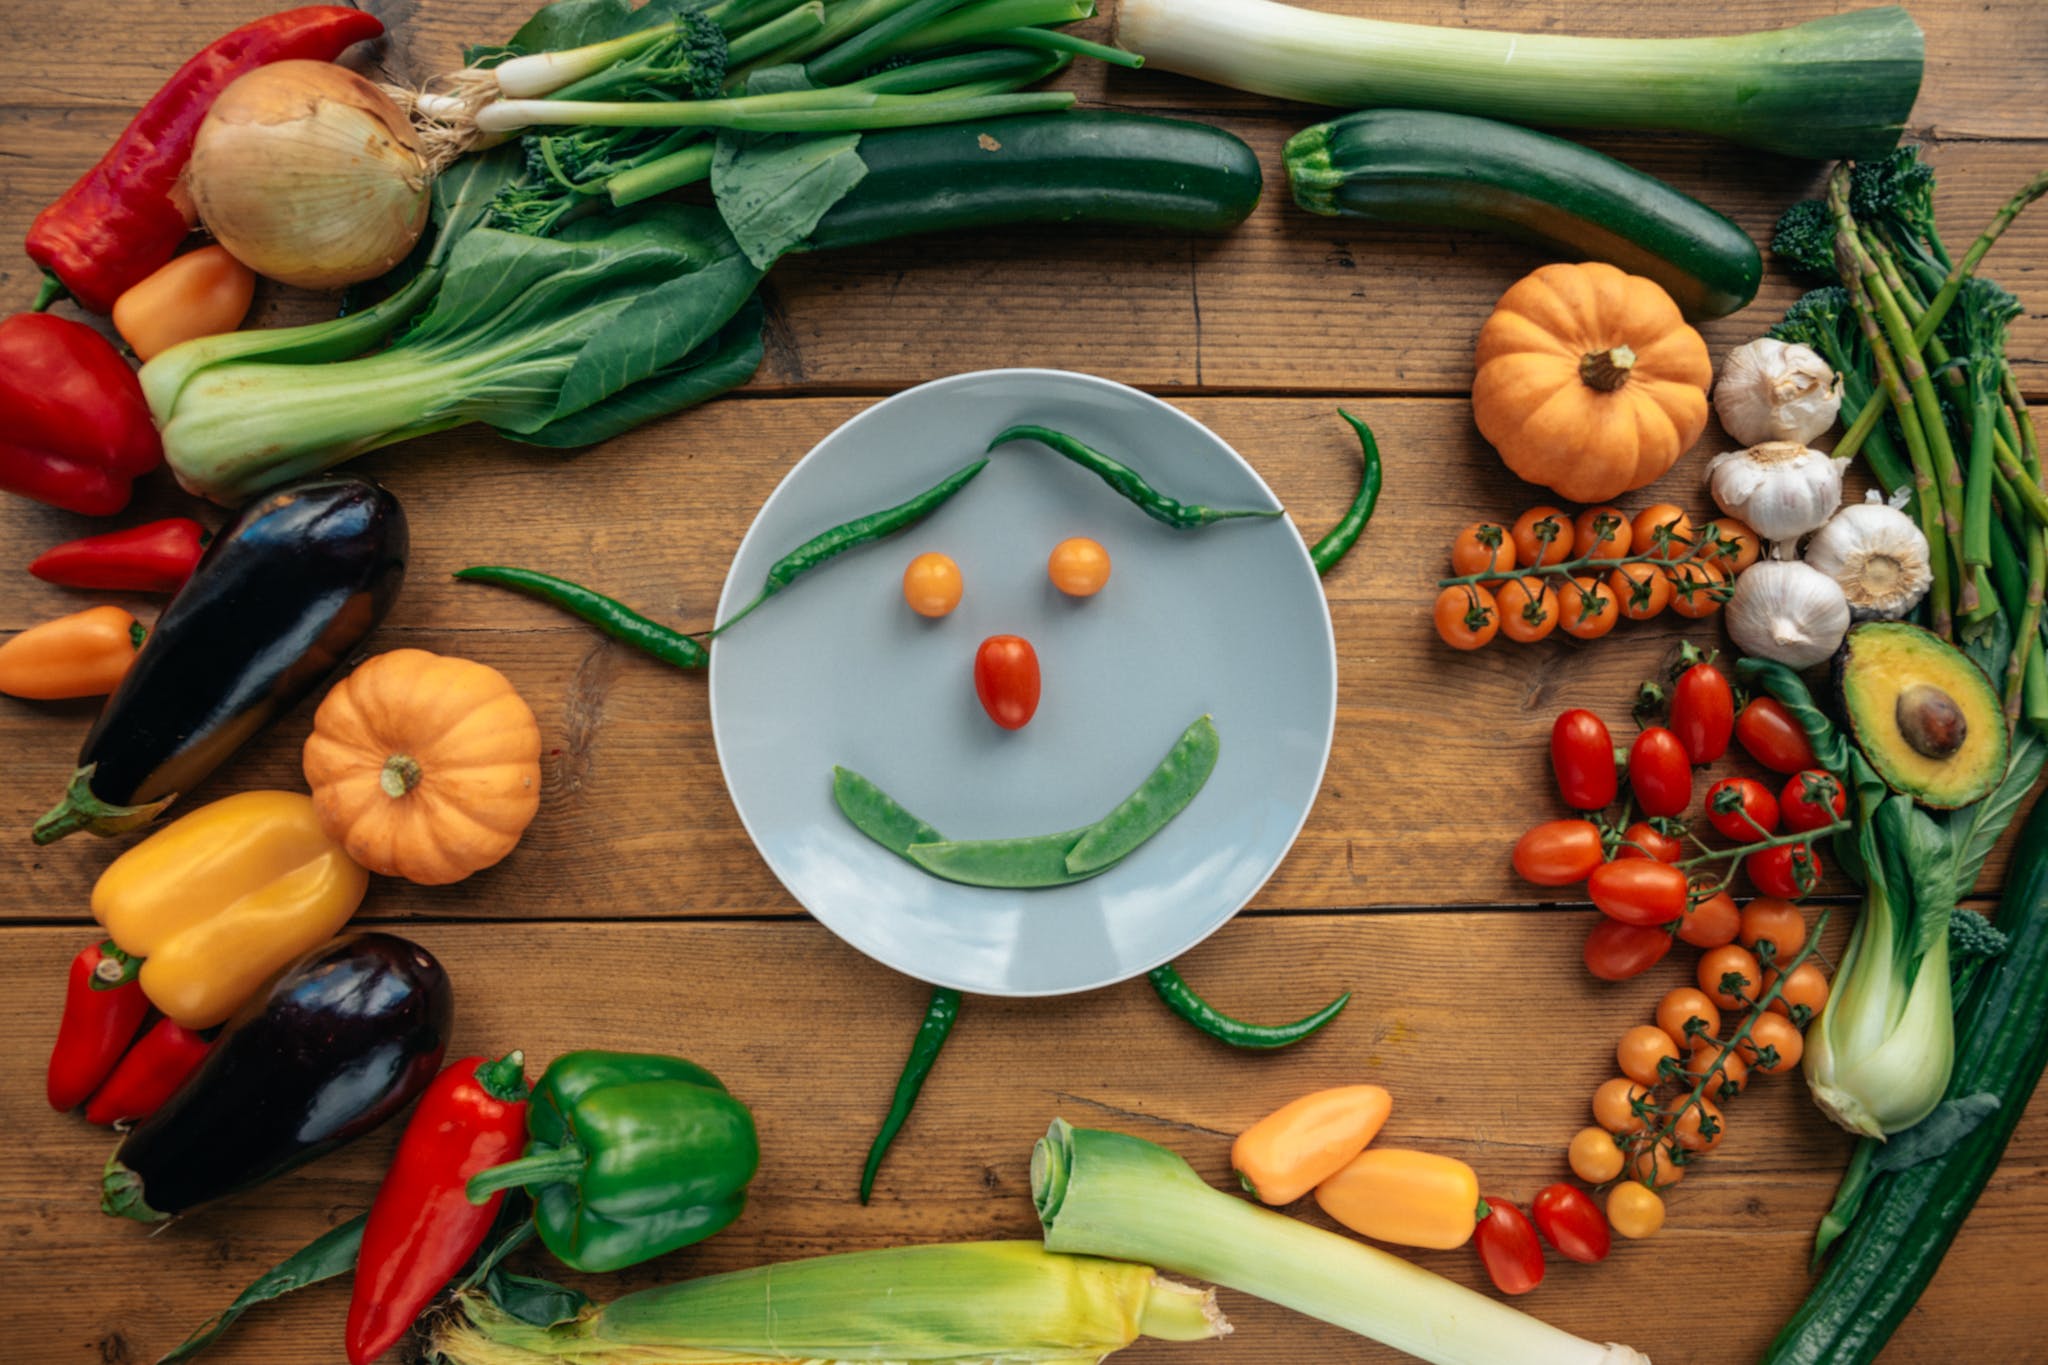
(1906, 1222)
(1092, 167)
(1454, 170)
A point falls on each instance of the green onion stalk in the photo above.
(1109, 1194)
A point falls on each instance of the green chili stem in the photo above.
(1340, 538)
(939, 1017)
(614, 618)
(1938, 306)
(553, 1166)
(1182, 1000)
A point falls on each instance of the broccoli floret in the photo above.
(1898, 188)
(533, 208)
(1972, 941)
(1805, 240)
(1825, 321)
(1983, 312)
(687, 63)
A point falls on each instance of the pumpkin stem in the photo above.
(1607, 370)
(401, 774)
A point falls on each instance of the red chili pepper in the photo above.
(157, 556)
(103, 1006)
(75, 431)
(423, 1227)
(151, 1072)
(127, 215)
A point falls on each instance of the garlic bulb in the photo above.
(1773, 390)
(1781, 488)
(1878, 556)
(310, 175)
(1787, 611)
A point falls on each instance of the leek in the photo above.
(1108, 1194)
(1840, 86)
(975, 1301)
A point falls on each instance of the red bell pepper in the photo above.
(422, 1227)
(75, 431)
(103, 1006)
(157, 556)
(149, 1074)
(126, 216)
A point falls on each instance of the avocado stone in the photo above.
(1924, 715)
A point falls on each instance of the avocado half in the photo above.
(1924, 715)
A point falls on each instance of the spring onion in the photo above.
(808, 111)
(1108, 1194)
(1840, 86)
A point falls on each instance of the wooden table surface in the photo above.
(636, 913)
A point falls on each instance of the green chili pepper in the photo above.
(924, 1050)
(630, 1155)
(1181, 516)
(1182, 1000)
(1335, 545)
(615, 619)
(827, 545)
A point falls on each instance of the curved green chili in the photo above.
(827, 545)
(924, 1050)
(1182, 516)
(1182, 1000)
(1341, 537)
(615, 619)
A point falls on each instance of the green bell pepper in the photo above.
(629, 1155)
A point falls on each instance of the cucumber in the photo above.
(1092, 167)
(1885, 1259)
(1454, 170)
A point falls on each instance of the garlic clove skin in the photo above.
(1789, 612)
(1780, 488)
(1772, 390)
(1878, 556)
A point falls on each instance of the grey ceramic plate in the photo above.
(1228, 620)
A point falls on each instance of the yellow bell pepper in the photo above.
(218, 901)
(1412, 1199)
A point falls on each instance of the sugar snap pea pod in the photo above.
(615, 619)
(1158, 799)
(1181, 516)
(1182, 1000)
(1024, 863)
(924, 1050)
(828, 545)
(876, 814)
(1341, 537)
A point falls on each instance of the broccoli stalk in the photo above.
(1986, 311)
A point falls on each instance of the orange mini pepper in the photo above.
(1300, 1145)
(199, 294)
(84, 654)
(1412, 1199)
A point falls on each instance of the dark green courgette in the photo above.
(1906, 1222)
(1092, 167)
(1453, 170)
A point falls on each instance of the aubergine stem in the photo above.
(80, 809)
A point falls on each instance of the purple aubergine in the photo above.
(279, 600)
(347, 1037)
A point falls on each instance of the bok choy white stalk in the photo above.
(1109, 1194)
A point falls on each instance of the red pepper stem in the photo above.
(115, 968)
(51, 292)
(505, 1079)
(562, 1164)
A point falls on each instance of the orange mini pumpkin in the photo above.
(1589, 381)
(423, 766)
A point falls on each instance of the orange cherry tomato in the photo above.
(1697, 590)
(1656, 1164)
(1528, 610)
(1558, 852)
(1735, 546)
(1730, 975)
(1603, 531)
(1614, 1105)
(1543, 535)
(1663, 530)
(1775, 1032)
(1634, 1210)
(1467, 617)
(1711, 922)
(1778, 922)
(1006, 680)
(199, 294)
(931, 584)
(1805, 991)
(1733, 1073)
(1642, 1052)
(1589, 608)
(1700, 1127)
(1593, 1156)
(1078, 566)
(1680, 1006)
(1483, 547)
(1641, 591)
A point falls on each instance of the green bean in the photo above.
(1341, 537)
(615, 619)
(939, 1016)
(1182, 1000)
(827, 545)
(1181, 516)
(1158, 799)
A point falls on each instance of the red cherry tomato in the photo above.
(1558, 852)
(1788, 871)
(1571, 1222)
(1660, 772)
(1507, 1245)
(1616, 951)
(1639, 891)
(1006, 680)
(1582, 755)
(1703, 713)
(1742, 809)
(1812, 799)
(1774, 737)
(1645, 840)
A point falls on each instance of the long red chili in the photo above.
(103, 1006)
(157, 556)
(127, 215)
(149, 1074)
(422, 1227)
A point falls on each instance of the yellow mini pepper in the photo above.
(218, 901)
(1412, 1199)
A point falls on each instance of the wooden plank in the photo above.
(1493, 1093)
(633, 794)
